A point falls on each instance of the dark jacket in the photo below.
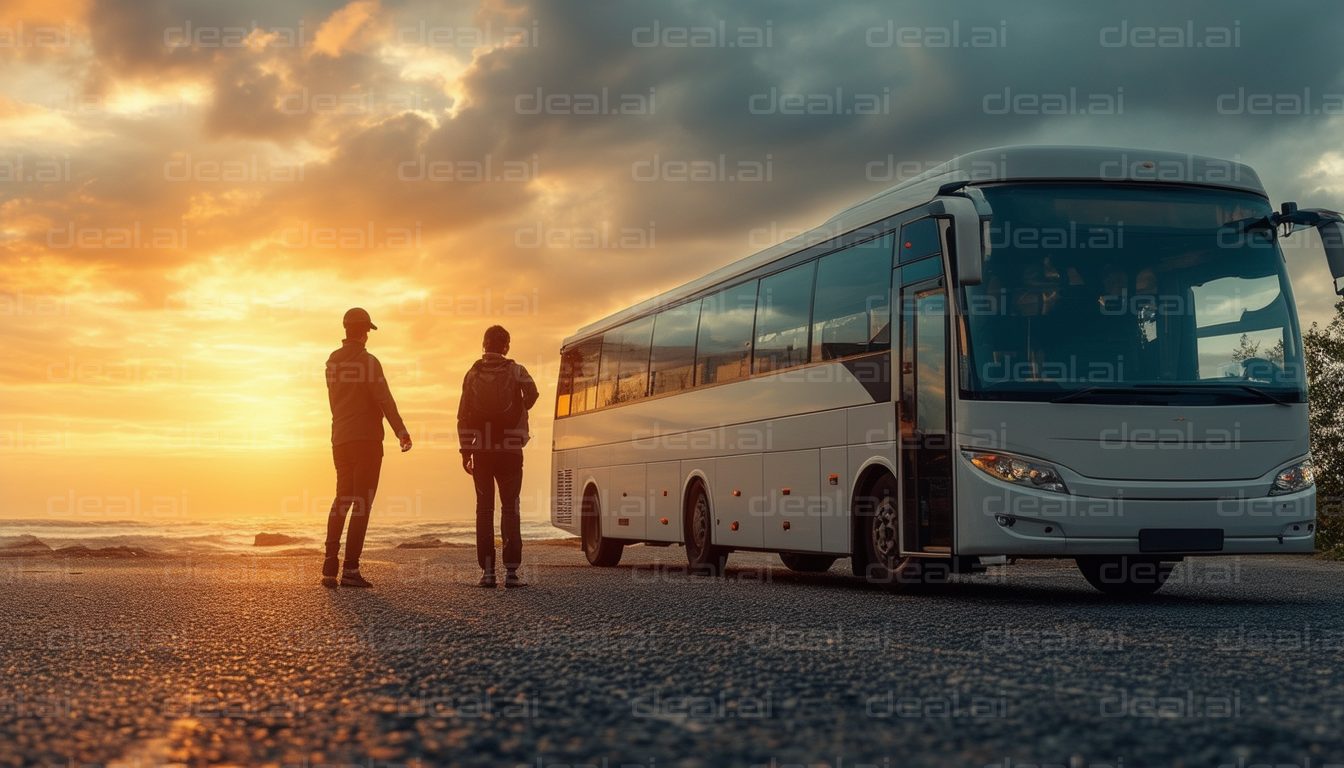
(472, 432)
(359, 397)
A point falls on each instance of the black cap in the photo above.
(358, 316)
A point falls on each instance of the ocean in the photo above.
(238, 536)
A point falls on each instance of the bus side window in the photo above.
(918, 239)
(672, 362)
(851, 314)
(624, 373)
(583, 374)
(723, 344)
(564, 386)
(783, 308)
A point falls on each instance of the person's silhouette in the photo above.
(492, 429)
(360, 399)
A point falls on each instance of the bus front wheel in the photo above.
(701, 553)
(879, 531)
(600, 551)
(880, 557)
(1125, 575)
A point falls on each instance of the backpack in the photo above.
(494, 393)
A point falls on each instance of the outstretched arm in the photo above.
(382, 395)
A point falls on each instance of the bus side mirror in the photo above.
(1332, 239)
(966, 228)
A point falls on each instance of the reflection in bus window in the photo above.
(624, 375)
(672, 363)
(919, 239)
(851, 313)
(578, 378)
(783, 306)
(1092, 285)
(723, 346)
(1228, 345)
(931, 354)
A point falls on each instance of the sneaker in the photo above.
(511, 580)
(329, 582)
(487, 580)
(353, 579)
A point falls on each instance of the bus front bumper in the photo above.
(995, 518)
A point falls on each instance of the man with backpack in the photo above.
(492, 428)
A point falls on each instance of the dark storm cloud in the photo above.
(1167, 77)
(883, 96)
(935, 101)
(165, 37)
(931, 102)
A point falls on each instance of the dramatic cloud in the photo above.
(195, 191)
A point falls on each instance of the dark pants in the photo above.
(358, 464)
(504, 468)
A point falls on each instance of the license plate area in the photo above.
(1181, 540)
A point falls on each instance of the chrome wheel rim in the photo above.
(700, 523)
(886, 537)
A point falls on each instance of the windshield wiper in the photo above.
(1170, 389)
(1265, 396)
(1079, 394)
(1214, 388)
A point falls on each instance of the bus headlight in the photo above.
(1298, 477)
(1029, 473)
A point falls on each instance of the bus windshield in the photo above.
(1133, 291)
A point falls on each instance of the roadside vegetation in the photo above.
(1324, 351)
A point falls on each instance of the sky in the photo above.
(192, 193)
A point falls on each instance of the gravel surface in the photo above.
(248, 661)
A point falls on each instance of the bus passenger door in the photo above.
(926, 440)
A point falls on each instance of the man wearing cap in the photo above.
(360, 399)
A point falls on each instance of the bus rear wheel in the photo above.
(802, 563)
(1125, 575)
(600, 551)
(701, 553)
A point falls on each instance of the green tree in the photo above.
(1245, 350)
(1324, 351)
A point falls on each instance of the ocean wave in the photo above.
(135, 538)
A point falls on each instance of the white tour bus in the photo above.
(1034, 351)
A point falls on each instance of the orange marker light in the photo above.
(733, 526)
(664, 491)
(834, 479)
(737, 493)
(664, 521)
(785, 491)
(786, 525)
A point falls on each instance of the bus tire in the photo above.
(804, 563)
(600, 551)
(701, 554)
(879, 539)
(1124, 575)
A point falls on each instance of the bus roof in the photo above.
(1014, 163)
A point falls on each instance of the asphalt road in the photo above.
(249, 661)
